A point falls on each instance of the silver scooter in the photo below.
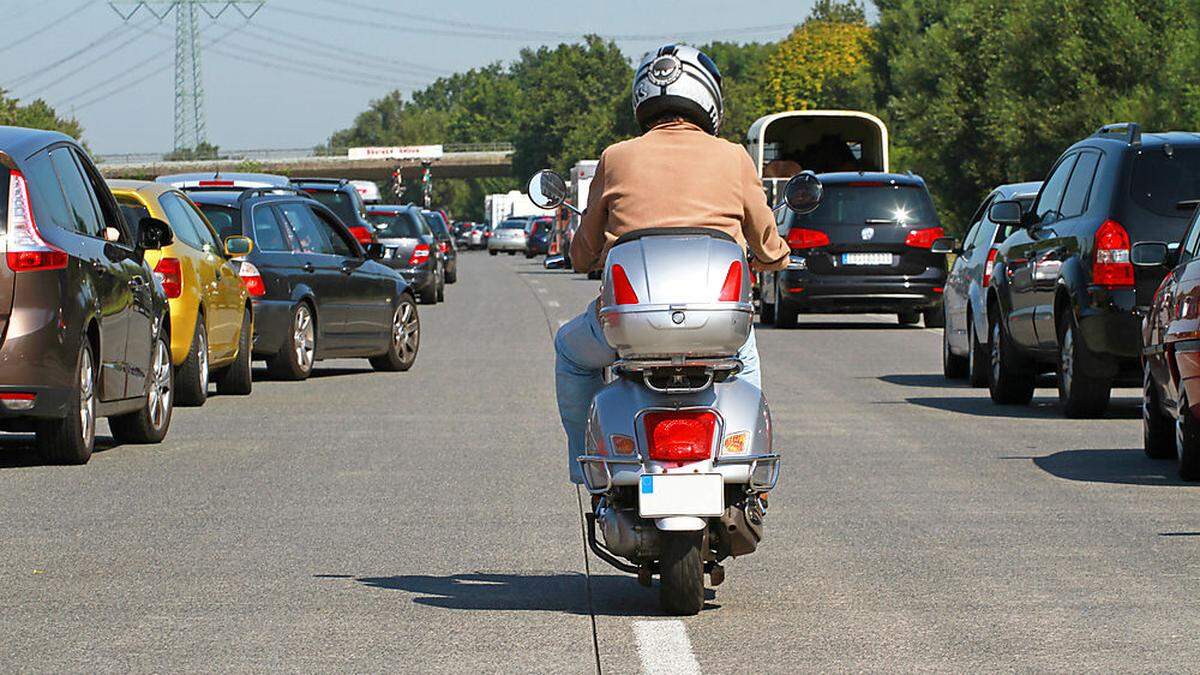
(678, 453)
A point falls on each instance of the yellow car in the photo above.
(211, 313)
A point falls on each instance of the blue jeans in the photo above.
(581, 355)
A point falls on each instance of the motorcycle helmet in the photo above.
(679, 80)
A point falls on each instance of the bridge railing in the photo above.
(264, 154)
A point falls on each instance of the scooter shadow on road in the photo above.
(1046, 408)
(612, 595)
(18, 451)
(1121, 467)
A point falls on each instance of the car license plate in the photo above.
(681, 494)
(866, 258)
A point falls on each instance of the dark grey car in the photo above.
(85, 324)
(410, 248)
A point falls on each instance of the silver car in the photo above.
(509, 237)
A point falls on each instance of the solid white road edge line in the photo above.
(664, 647)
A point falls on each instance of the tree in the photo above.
(742, 74)
(823, 63)
(205, 150)
(36, 115)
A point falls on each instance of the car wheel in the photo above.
(766, 310)
(150, 424)
(70, 440)
(296, 358)
(1010, 382)
(528, 254)
(954, 367)
(1158, 429)
(1187, 442)
(934, 317)
(977, 357)
(192, 381)
(1081, 395)
(405, 336)
(492, 251)
(908, 317)
(236, 379)
(512, 252)
(786, 316)
(441, 288)
(452, 274)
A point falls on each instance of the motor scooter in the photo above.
(678, 453)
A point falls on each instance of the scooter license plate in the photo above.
(681, 494)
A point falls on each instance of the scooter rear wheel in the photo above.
(682, 573)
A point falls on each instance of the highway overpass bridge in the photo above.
(457, 161)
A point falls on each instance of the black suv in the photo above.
(865, 249)
(1065, 295)
(343, 198)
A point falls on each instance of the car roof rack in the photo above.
(1131, 130)
(268, 191)
(332, 181)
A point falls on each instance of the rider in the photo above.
(678, 173)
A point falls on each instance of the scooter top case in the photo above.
(676, 292)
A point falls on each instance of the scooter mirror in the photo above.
(803, 192)
(547, 190)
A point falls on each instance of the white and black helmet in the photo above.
(681, 80)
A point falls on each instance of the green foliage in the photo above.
(205, 150)
(742, 71)
(36, 115)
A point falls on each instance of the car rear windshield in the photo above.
(1161, 181)
(395, 225)
(858, 204)
(512, 225)
(339, 202)
(227, 221)
(436, 224)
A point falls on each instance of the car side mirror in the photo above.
(1007, 212)
(547, 190)
(375, 250)
(154, 234)
(945, 246)
(555, 262)
(803, 192)
(1150, 254)
(237, 246)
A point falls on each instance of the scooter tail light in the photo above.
(1112, 267)
(622, 290)
(987, 267)
(27, 250)
(731, 290)
(419, 255)
(170, 274)
(252, 280)
(680, 435)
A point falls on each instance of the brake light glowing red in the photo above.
(444, 246)
(17, 396)
(622, 290)
(987, 267)
(27, 250)
(419, 255)
(252, 280)
(1112, 267)
(731, 290)
(680, 435)
(924, 237)
(362, 233)
(170, 274)
(800, 238)
(216, 183)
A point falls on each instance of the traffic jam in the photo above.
(330, 424)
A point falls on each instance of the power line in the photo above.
(134, 37)
(341, 51)
(53, 24)
(42, 70)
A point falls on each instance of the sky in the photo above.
(301, 69)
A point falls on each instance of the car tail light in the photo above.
(987, 267)
(1111, 267)
(170, 275)
(252, 280)
(924, 237)
(362, 233)
(731, 290)
(27, 251)
(680, 435)
(800, 238)
(622, 289)
(18, 400)
(419, 255)
(443, 246)
(216, 183)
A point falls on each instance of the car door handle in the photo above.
(347, 270)
(308, 267)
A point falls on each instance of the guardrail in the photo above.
(277, 153)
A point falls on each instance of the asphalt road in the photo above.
(422, 521)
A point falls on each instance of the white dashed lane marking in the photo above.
(664, 647)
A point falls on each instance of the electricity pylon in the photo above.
(189, 85)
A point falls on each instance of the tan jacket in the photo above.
(676, 175)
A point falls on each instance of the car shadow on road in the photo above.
(1123, 467)
(263, 375)
(921, 380)
(612, 595)
(1125, 408)
(833, 325)
(19, 450)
